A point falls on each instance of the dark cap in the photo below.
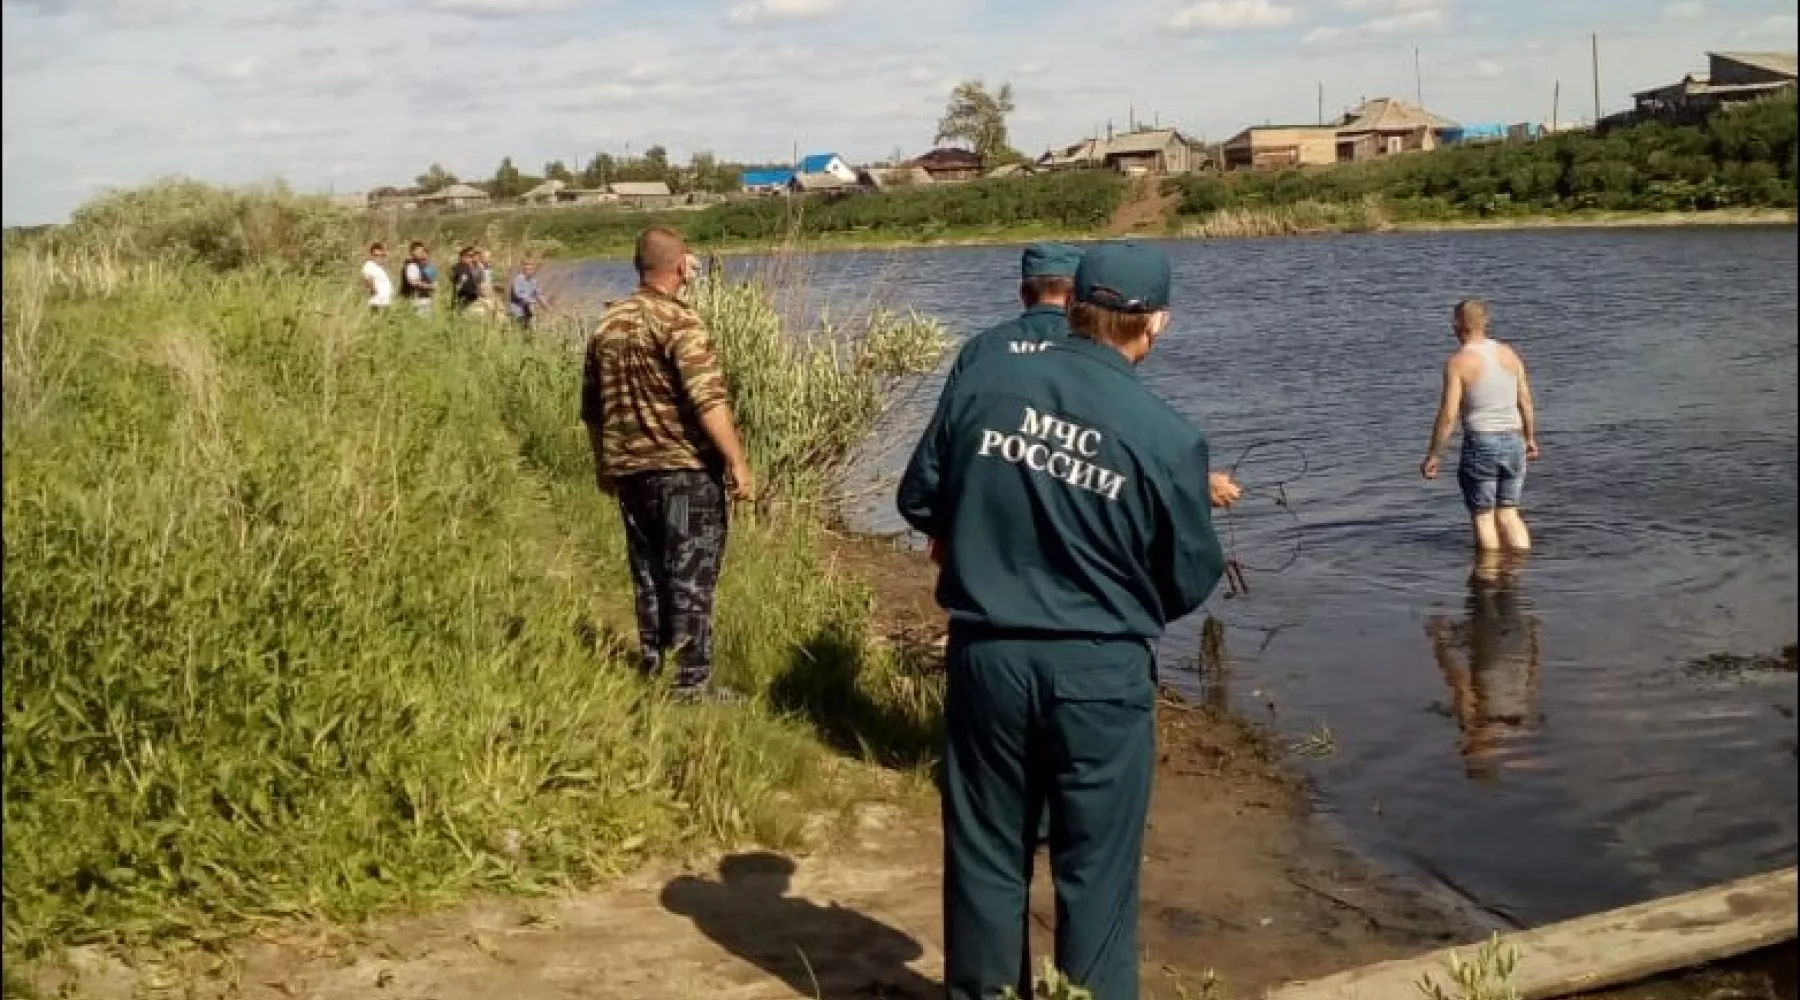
(1126, 276)
(1049, 260)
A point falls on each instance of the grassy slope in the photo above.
(308, 613)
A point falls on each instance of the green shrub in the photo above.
(313, 612)
(223, 228)
(1742, 158)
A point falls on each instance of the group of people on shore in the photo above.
(471, 284)
(1069, 513)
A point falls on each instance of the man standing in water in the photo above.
(1073, 507)
(1485, 385)
(654, 399)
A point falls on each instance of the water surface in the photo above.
(1535, 742)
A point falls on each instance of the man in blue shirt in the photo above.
(524, 300)
(1075, 511)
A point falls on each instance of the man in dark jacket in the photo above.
(1074, 508)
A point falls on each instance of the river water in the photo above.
(1537, 741)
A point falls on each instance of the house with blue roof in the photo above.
(816, 166)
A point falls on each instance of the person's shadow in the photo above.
(827, 952)
(1490, 659)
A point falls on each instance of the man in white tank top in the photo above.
(1485, 390)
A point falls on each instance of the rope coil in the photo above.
(1275, 490)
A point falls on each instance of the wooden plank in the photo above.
(1595, 952)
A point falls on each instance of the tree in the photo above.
(507, 182)
(976, 117)
(600, 171)
(557, 170)
(434, 179)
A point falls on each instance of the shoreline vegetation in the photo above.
(313, 613)
(1739, 168)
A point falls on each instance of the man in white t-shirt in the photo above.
(375, 278)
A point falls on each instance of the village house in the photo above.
(455, 197)
(948, 165)
(641, 194)
(1142, 152)
(1731, 78)
(821, 182)
(884, 178)
(765, 181)
(1271, 147)
(556, 192)
(1014, 170)
(1385, 126)
(782, 179)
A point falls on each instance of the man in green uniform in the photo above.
(1074, 508)
(1046, 280)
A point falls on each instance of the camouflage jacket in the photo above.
(650, 372)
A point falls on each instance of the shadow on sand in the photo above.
(827, 952)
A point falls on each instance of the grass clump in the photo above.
(225, 229)
(309, 612)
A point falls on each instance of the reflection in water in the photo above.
(1490, 659)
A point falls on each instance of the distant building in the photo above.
(1141, 152)
(829, 164)
(642, 194)
(821, 182)
(884, 178)
(1272, 147)
(948, 165)
(1731, 78)
(765, 181)
(1395, 127)
(1477, 132)
(455, 197)
(1014, 170)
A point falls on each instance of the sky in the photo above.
(344, 95)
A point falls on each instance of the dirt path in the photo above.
(1236, 884)
(1146, 209)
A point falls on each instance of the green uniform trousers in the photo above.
(1066, 726)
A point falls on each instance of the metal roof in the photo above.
(816, 162)
(765, 178)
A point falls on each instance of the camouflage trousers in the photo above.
(675, 536)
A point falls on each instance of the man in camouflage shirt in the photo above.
(654, 400)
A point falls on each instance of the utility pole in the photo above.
(1321, 102)
(1555, 106)
(1418, 80)
(1596, 46)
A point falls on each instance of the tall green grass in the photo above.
(312, 612)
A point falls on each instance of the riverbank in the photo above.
(1239, 226)
(1240, 890)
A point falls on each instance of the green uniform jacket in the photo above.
(1034, 329)
(1069, 498)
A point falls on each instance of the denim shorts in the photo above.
(1492, 471)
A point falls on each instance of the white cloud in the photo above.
(1230, 15)
(496, 8)
(1391, 6)
(1405, 19)
(1686, 10)
(758, 11)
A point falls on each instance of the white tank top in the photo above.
(1490, 403)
